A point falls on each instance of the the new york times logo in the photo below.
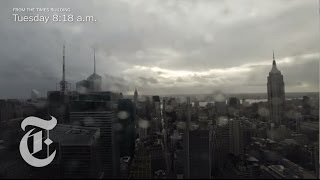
(37, 139)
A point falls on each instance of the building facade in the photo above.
(276, 95)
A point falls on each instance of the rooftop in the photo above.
(74, 135)
(94, 76)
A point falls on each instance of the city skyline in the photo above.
(159, 89)
(164, 50)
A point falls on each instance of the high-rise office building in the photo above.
(233, 106)
(197, 150)
(135, 96)
(126, 116)
(234, 102)
(141, 166)
(10, 109)
(77, 154)
(77, 151)
(221, 108)
(199, 154)
(306, 105)
(109, 150)
(236, 146)
(156, 114)
(276, 95)
(58, 100)
(222, 145)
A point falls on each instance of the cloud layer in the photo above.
(163, 46)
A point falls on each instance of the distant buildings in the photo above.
(157, 154)
(166, 138)
(149, 159)
(156, 114)
(233, 106)
(243, 167)
(306, 105)
(10, 109)
(234, 102)
(276, 95)
(221, 108)
(135, 96)
(285, 159)
(286, 170)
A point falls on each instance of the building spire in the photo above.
(135, 95)
(135, 92)
(274, 69)
(274, 61)
(94, 60)
(63, 64)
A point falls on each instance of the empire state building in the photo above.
(276, 95)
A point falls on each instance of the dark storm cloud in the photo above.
(145, 80)
(163, 46)
(113, 83)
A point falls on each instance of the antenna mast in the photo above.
(63, 83)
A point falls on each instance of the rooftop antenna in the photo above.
(274, 61)
(63, 83)
(64, 63)
(273, 54)
(94, 60)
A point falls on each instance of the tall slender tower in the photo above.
(276, 95)
(63, 82)
(135, 96)
(94, 61)
(94, 80)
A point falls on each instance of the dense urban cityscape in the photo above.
(104, 134)
(159, 89)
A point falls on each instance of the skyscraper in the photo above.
(222, 145)
(276, 96)
(236, 146)
(93, 82)
(135, 96)
(109, 151)
(77, 154)
(126, 116)
(58, 100)
(199, 154)
(156, 114)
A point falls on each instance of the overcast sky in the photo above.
(163, 46)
